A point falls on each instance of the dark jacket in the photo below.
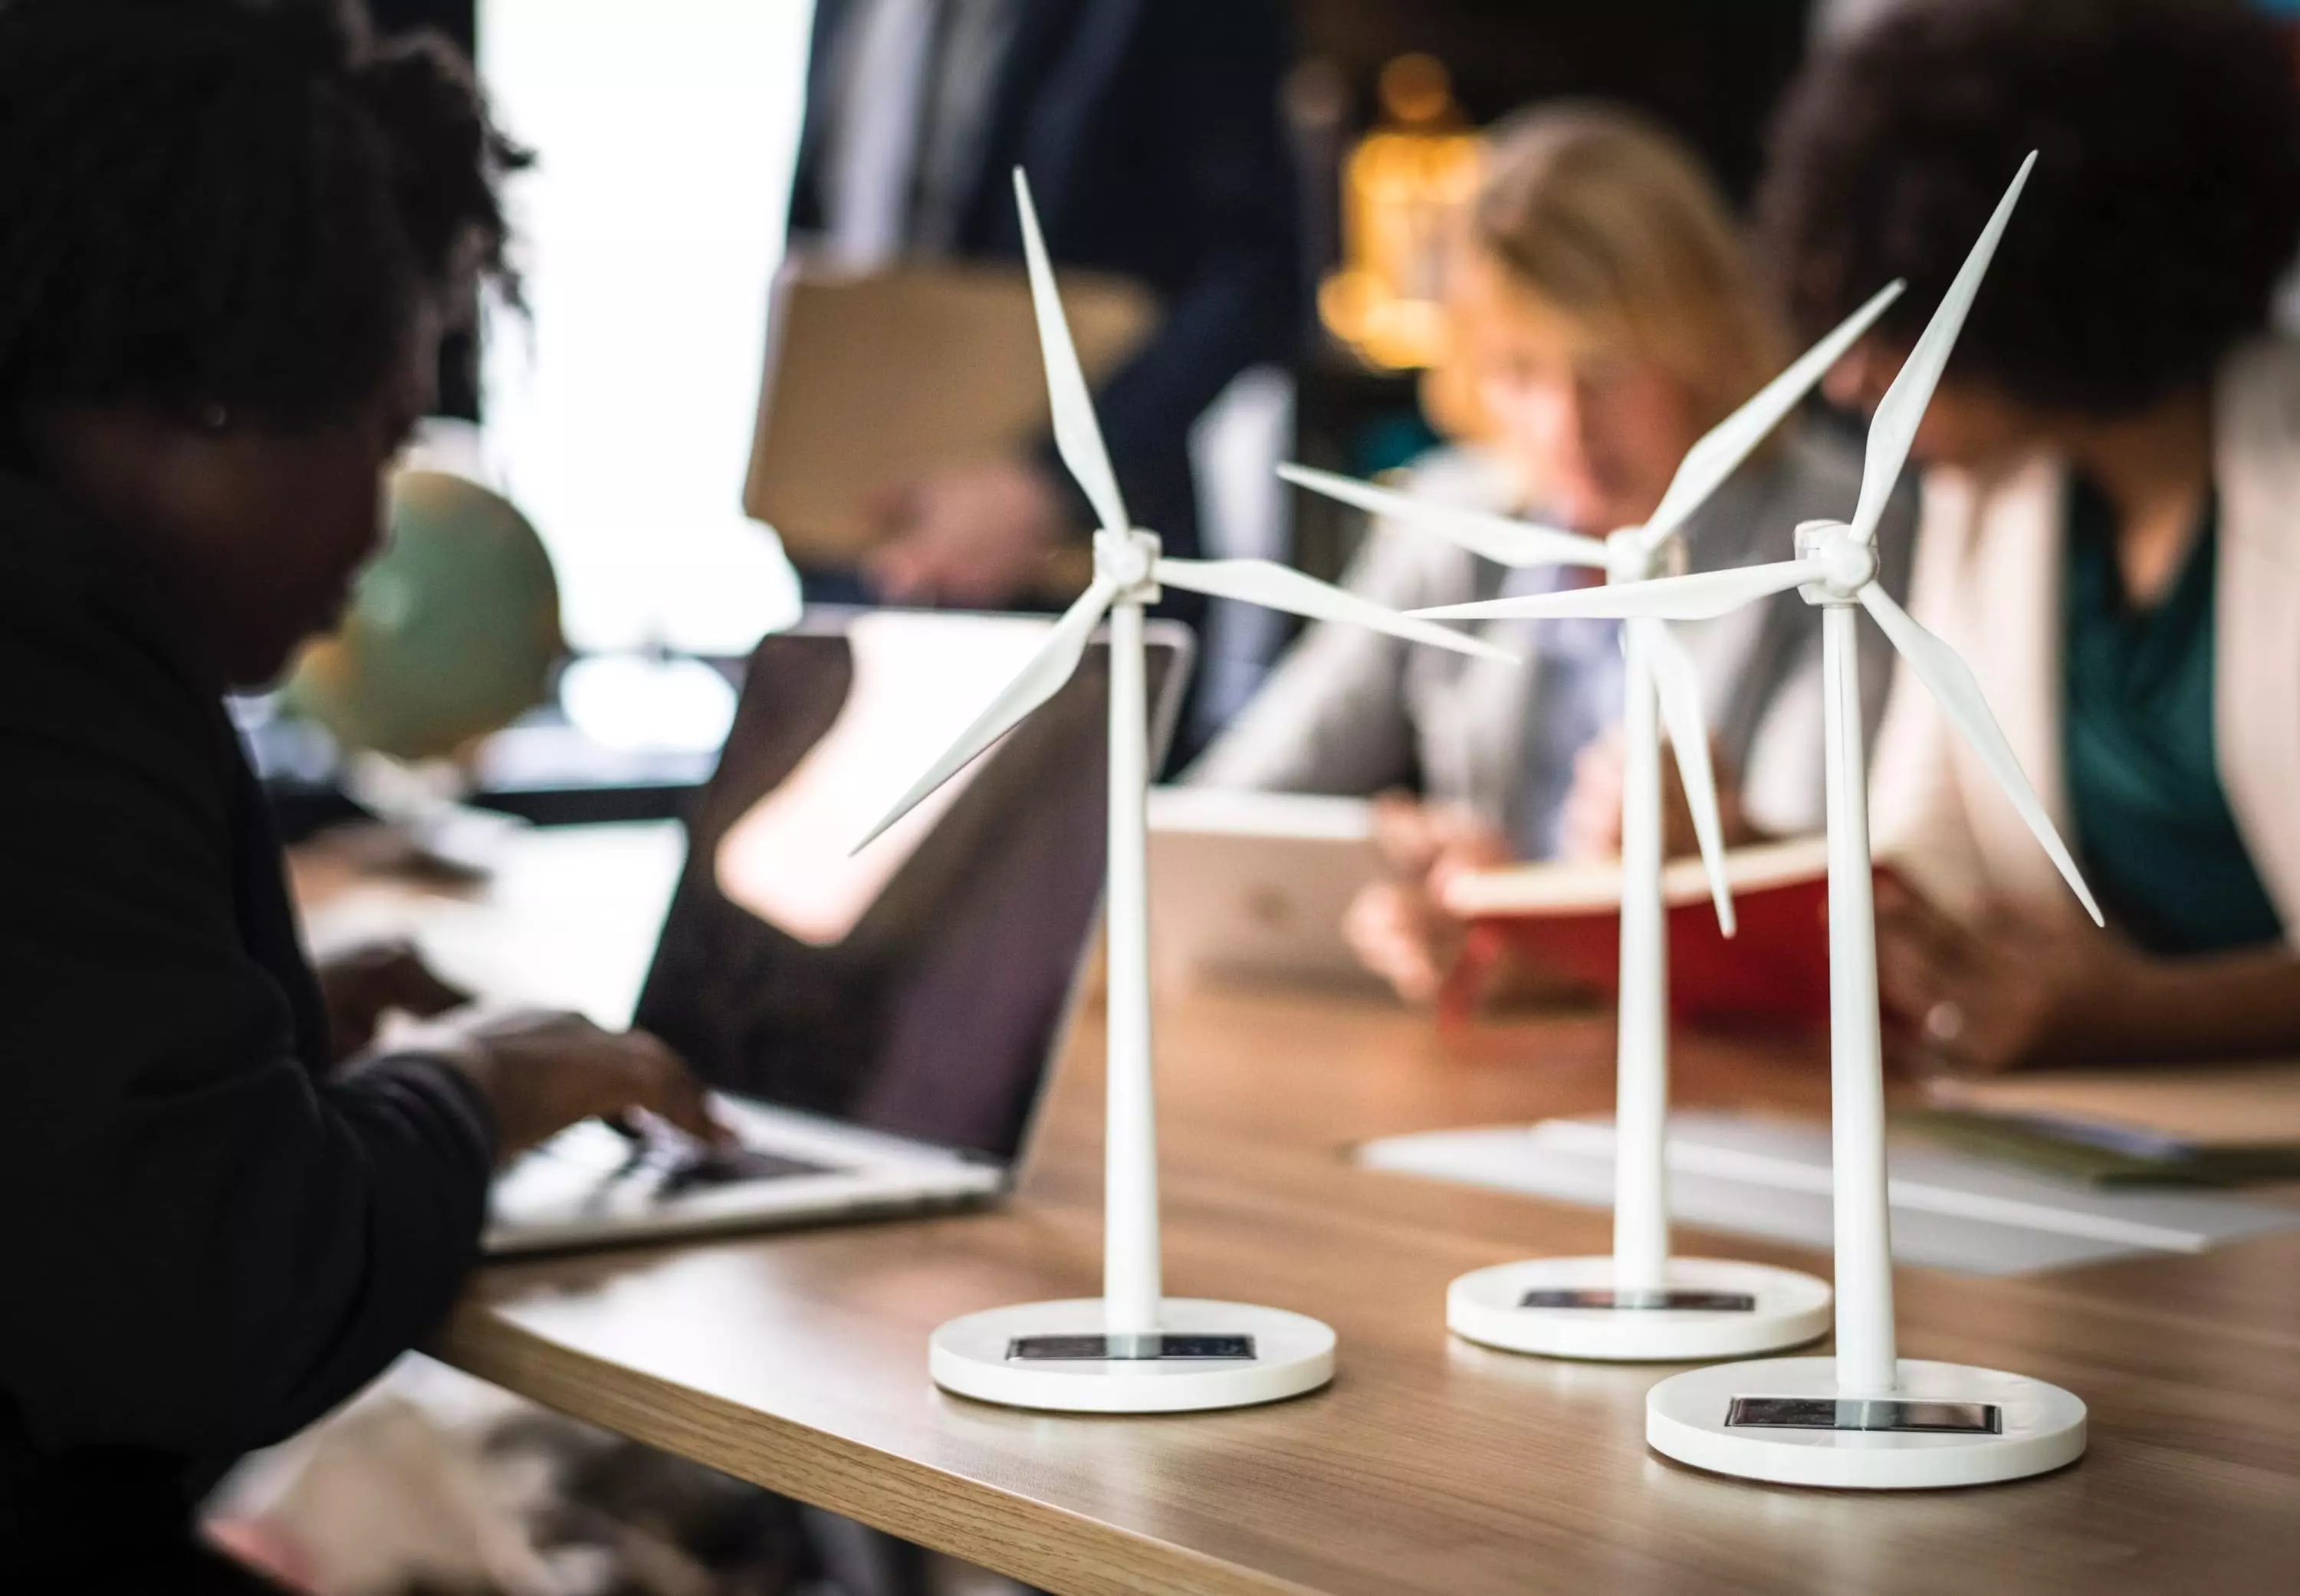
(207, 1241)
(1151, 135)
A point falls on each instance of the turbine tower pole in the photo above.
(1867, 1362)
(1641, 1107)
(1129, 1251)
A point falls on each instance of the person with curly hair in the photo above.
(230, 233)
(2111, 522)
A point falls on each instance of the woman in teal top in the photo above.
(2111, 528)
(2157, 839)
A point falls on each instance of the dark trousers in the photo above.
(186, 1570)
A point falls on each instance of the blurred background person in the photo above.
(2110, 533)
(1152, 138)
(1606, 316)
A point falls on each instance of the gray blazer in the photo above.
(1355, 712)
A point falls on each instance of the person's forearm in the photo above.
(2193, 1009)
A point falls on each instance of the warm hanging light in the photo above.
(1403, 189)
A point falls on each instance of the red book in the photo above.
(1566, 919)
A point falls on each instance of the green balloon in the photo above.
(451, 633)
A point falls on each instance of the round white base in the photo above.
(1487, 1307)
(1292, 1354)
(2043, 1428)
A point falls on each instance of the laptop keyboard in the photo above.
(660, 1164)
(699, 1170)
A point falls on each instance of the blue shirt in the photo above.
(1577, 696)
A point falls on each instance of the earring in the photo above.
(214, 419)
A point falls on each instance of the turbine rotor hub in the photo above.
(1848, 563)
(1628, 559)
(1129, 560)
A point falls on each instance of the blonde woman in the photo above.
(1605, 319)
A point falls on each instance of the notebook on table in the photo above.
(2159, 1125)
(1749, 1174)
(1565, 918)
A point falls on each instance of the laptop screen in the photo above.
(917, 987)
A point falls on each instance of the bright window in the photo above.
(619, 414)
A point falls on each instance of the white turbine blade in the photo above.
(1039, 681)
(1724, 446)
(1696, 598)
(1281, 587)
(1077, 436)
(1903, 407)
(1679, 689)
(1499, 538)
(1953, 687)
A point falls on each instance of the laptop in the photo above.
(876, 1028)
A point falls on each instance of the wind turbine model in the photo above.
(1640, 1303)
(1866, 1417)
(1132, 1350)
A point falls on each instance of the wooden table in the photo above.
(798, 1361)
